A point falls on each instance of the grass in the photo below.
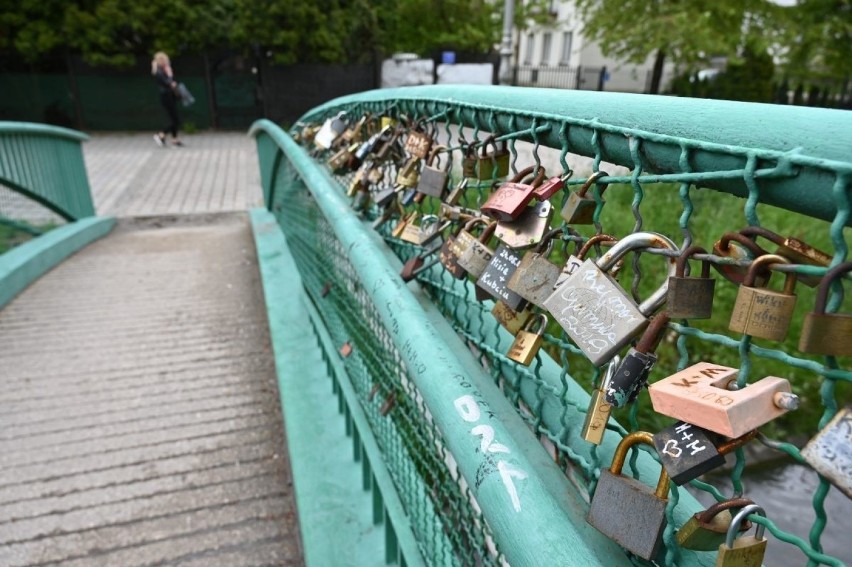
(11, 236)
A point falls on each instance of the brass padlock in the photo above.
(397, 230)
(746, 551)
(828, 333)
(433, 179)
(418, 143)
(343, 159)
(762, 312)
(510, 319)
(795, 250)
(595, 311)
(476, 254)
(707, 530)
(690, 298)
(580, 209)
(409, 174)
(527, 343)
(639, 526)
(597, 415)
(448, 255)
(738, 247)
(486, 165)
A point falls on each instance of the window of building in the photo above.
(546, 41)
(567, 38)
(528, 58)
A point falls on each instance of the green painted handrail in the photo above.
(787, 156)
(45, 163)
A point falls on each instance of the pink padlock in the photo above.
(699, 395)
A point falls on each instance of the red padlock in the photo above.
(510, 199)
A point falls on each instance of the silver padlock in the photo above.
(596, 312)
(529, 228)
(330, 131)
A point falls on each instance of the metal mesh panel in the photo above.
(820, 381)
(445, 520)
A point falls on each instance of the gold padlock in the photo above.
(761, 312)
(511, 320)
(409, 174)
(597, 415)
(527, 343)
(706, 530)
(747, 551)
(827, 333)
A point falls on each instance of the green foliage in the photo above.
(748, 79)
(815, 36)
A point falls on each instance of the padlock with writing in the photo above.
(690, 298)
(529, 228)
(737, 248)
(745, 551)
(476, 254)
(487, 164)
(595, 310)
(449, 255)
(397, 230)
(688, 451)
(510, 199)
(536, 275)
(632, 374)
(700, 395)
(330, 131)
(597, 415)
(495, 277)
(795, 250)
(762, 312)
(627, 510)
(527, 343)
(418, 142)
(433, 177)
(574, 261)
(828, 333)
(707, 530)
(510, 319)
(829, 452)
(580, 209)
(411, 233)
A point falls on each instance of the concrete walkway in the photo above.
(139, 414)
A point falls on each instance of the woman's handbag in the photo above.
(184, 95)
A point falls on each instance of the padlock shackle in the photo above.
(680, 265)
(765, 262)
(825, 284)
(724, 243)
(542, 319)
(529, 171)
(620, 455)
(433, 154)
(653, 334)
(734, 528)
(707, 515)
(633, 242)
(592, 241)
(489, 141)
(610, 372)
(593, 178)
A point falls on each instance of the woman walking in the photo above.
(161, 69)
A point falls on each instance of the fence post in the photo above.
(579, 77)
(602, 78)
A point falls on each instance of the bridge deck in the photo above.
(139, 415)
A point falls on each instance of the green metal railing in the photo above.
(45, 163)
(793, 158)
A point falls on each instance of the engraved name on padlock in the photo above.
(595, 311)
(497, 274)
(627, 510)
(828, 333)
(688, 451)
(700, 395)
(762, 312)
(477, 254)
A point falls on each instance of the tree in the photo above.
(686, 32)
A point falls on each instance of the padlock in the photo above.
(342, 160)
(448, 257)
(827, 333)
(510, 319)
(365, 149)
(418, 143)
(430, 228)
(497, 274)
(487, 165)
(330, 131)
(828, 452)
(397, 230)
(411, 233)
(738, 247)
(580, 209)
(597, 415)
(529, 228)
(359, 180)
(389, 149)
(476, 254)
(466, 236)
(688, 451)
(360, 200)
(536, 276)
(690, 298)
(707, 530)
(510, 199)
(384, 196)
(417, 264)
(527, 343)
(355, 133)
(550, 187)
(632, 374)
(762, 312)
(433, 179)
(627, 510)
(409, 174)
(746, 551)
(700, 395)
(574, 261)
(595, 311)
(795, 250)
